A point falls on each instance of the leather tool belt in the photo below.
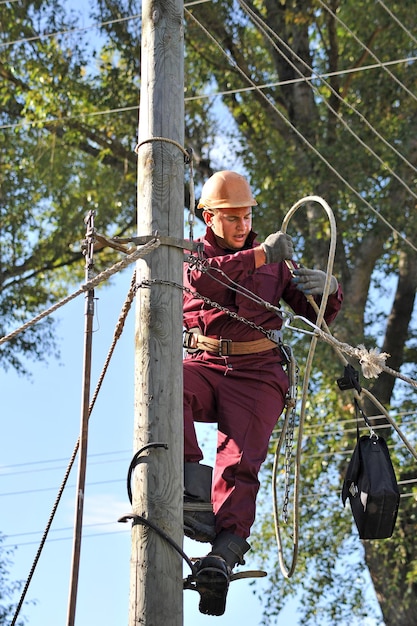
(227, 347)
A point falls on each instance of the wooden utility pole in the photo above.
(156, 595)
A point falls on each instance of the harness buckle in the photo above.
(224, 347)
(189, 340)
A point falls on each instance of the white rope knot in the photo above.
(372, 361)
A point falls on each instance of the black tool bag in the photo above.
(371, 486)
(370, 482)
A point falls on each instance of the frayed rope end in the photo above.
(372, 361)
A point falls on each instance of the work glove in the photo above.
(311, 282)
(277, 247)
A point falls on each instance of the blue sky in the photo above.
(41, 423)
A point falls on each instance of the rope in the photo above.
(117, 333)
(103, 276)
(372, 361)
(119, 328)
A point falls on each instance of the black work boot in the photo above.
(214, 571)
(199, 521)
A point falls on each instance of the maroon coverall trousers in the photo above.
(245, 395)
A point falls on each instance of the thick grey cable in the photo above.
(288, 571)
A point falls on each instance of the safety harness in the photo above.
(193, 342)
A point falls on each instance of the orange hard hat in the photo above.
(226, 190)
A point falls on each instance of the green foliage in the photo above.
(58, 146)
(296, 96)
(8, 591)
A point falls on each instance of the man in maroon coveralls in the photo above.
(233, 374)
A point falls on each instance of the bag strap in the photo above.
(359, 412)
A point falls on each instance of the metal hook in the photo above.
(287, 324)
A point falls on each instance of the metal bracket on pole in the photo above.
(184, 244)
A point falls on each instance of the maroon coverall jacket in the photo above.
(244, 394)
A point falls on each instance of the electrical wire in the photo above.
(243, 4)
(316, 430)
(5, 469)
(61, 120)
(69, 31)
(45, 489)
(22, 544)
(367, 49)
(266, 30)
(305, 140)
(286, 570)
(395, 18)
(58, 121)
(257, 88)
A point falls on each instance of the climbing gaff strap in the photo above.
(287, 572)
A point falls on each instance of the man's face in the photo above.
(231, 226)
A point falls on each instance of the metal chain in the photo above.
(289, 446)
(201, 264)
(160, 281)
(293, 373)
(292, 367)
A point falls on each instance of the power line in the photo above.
(367, 49)
(366, 146)
(300, 135)
(266, 29)
(204, 96)
(4, 469)
(304, 79)
(56, 530)
(58, 121)
(71, 31)
(314, 429)
(68, 31)
(86, 536)
(44, 489)
(395, 18)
